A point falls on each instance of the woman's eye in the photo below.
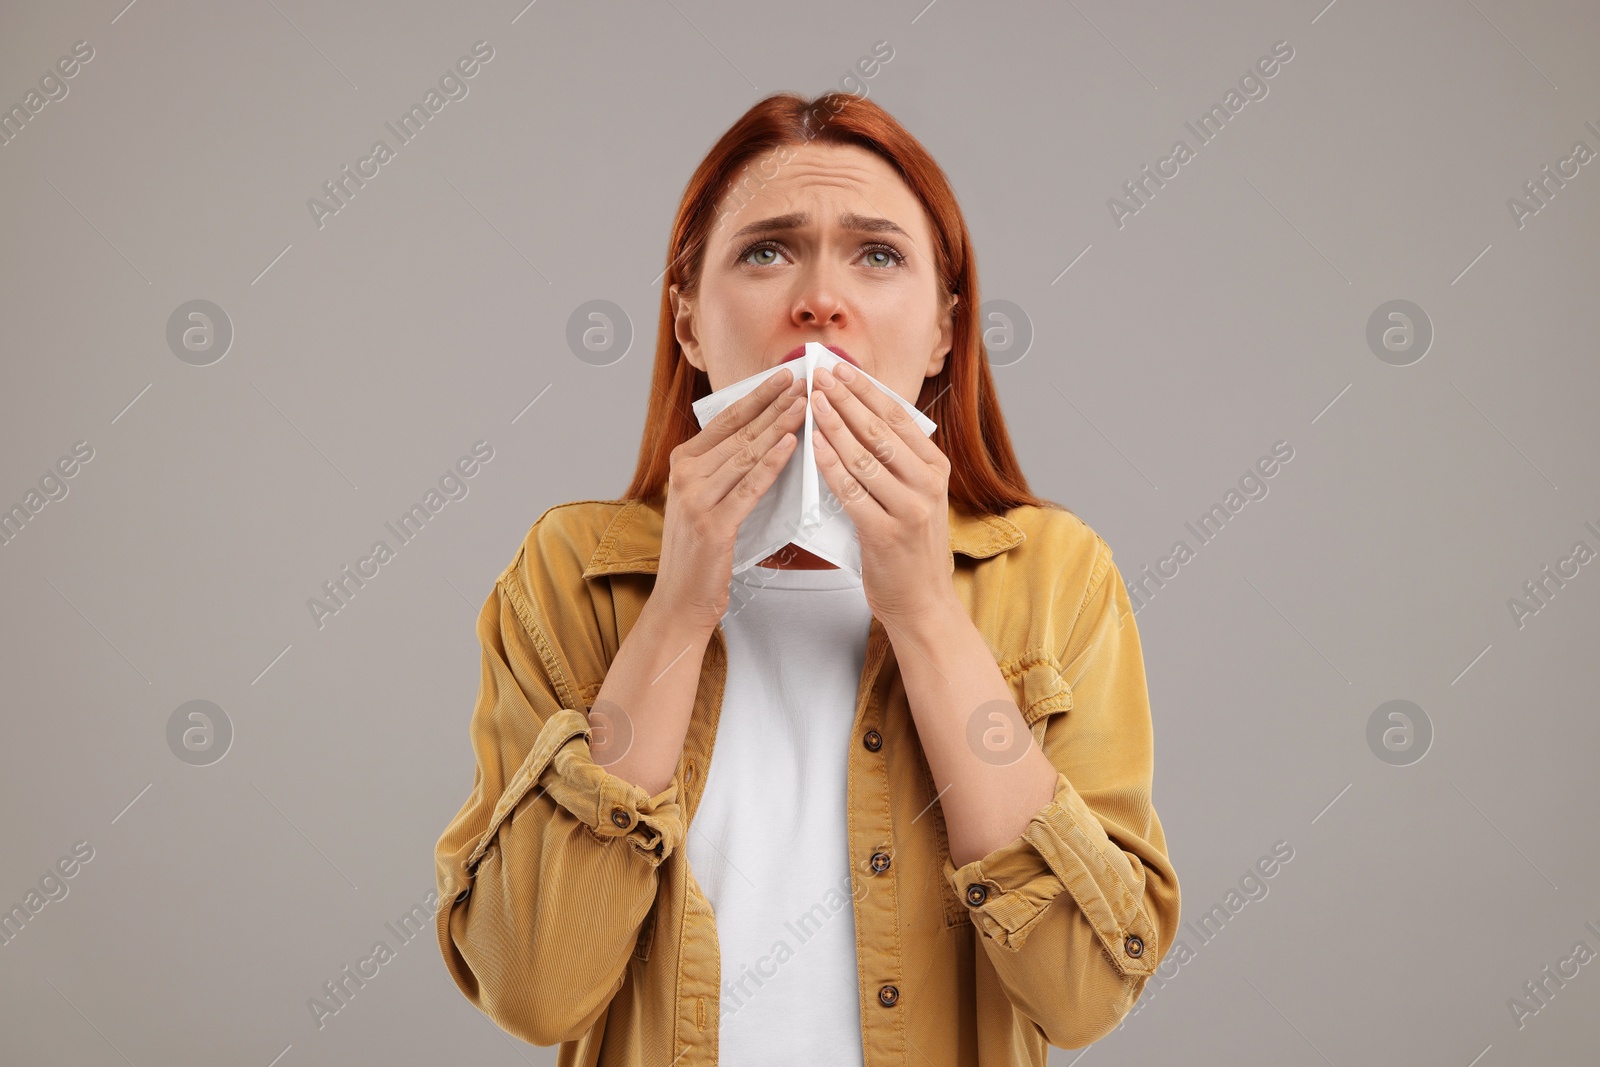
(766, 254)
(761, 250)
(883, 256)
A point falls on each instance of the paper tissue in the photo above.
(798, 507)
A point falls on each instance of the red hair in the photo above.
(985, 478)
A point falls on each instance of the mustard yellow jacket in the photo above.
(567, 910)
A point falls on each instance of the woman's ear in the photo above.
(947, 333)
(683, 326)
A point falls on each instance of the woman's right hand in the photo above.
(716, 477)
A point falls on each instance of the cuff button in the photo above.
(1133, 946)
(977, 893)
(620, 818)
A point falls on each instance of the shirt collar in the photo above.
(632, 543)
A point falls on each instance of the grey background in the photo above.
(369, 354)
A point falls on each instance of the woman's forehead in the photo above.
(824, 186)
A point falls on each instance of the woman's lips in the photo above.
(800, 350)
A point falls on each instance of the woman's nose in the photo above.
(819, 299)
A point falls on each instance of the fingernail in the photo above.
(845, 371)
(824, 378)
(796, 387)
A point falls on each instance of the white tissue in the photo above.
(799, 508)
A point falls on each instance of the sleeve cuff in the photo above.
(612, 807)
(1008, 891)
(609, 806)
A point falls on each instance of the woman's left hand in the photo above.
(894, 484)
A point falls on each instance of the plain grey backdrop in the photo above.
(1428, 543)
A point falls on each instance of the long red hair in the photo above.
(985, 478)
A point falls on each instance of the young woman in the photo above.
(927, 834)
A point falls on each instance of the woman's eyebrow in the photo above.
(848, 221)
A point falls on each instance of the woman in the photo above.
(927, 835)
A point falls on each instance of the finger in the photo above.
(866, 467)
(765, 399)
(737, 456)
(859, 503)
(881, 423)
(753, 484)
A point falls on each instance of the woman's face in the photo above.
(833, 247)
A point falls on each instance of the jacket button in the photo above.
(880, 862)
(1133, 946)
(620, 817)
(873, 740)
(888, 996)
(977, 893)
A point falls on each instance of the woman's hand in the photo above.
(716, 479)
(894, 484)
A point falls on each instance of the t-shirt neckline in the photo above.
(758, 576)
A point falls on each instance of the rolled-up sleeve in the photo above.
(1076, 912)
(547, 873)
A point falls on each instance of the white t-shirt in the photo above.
(768, 844)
